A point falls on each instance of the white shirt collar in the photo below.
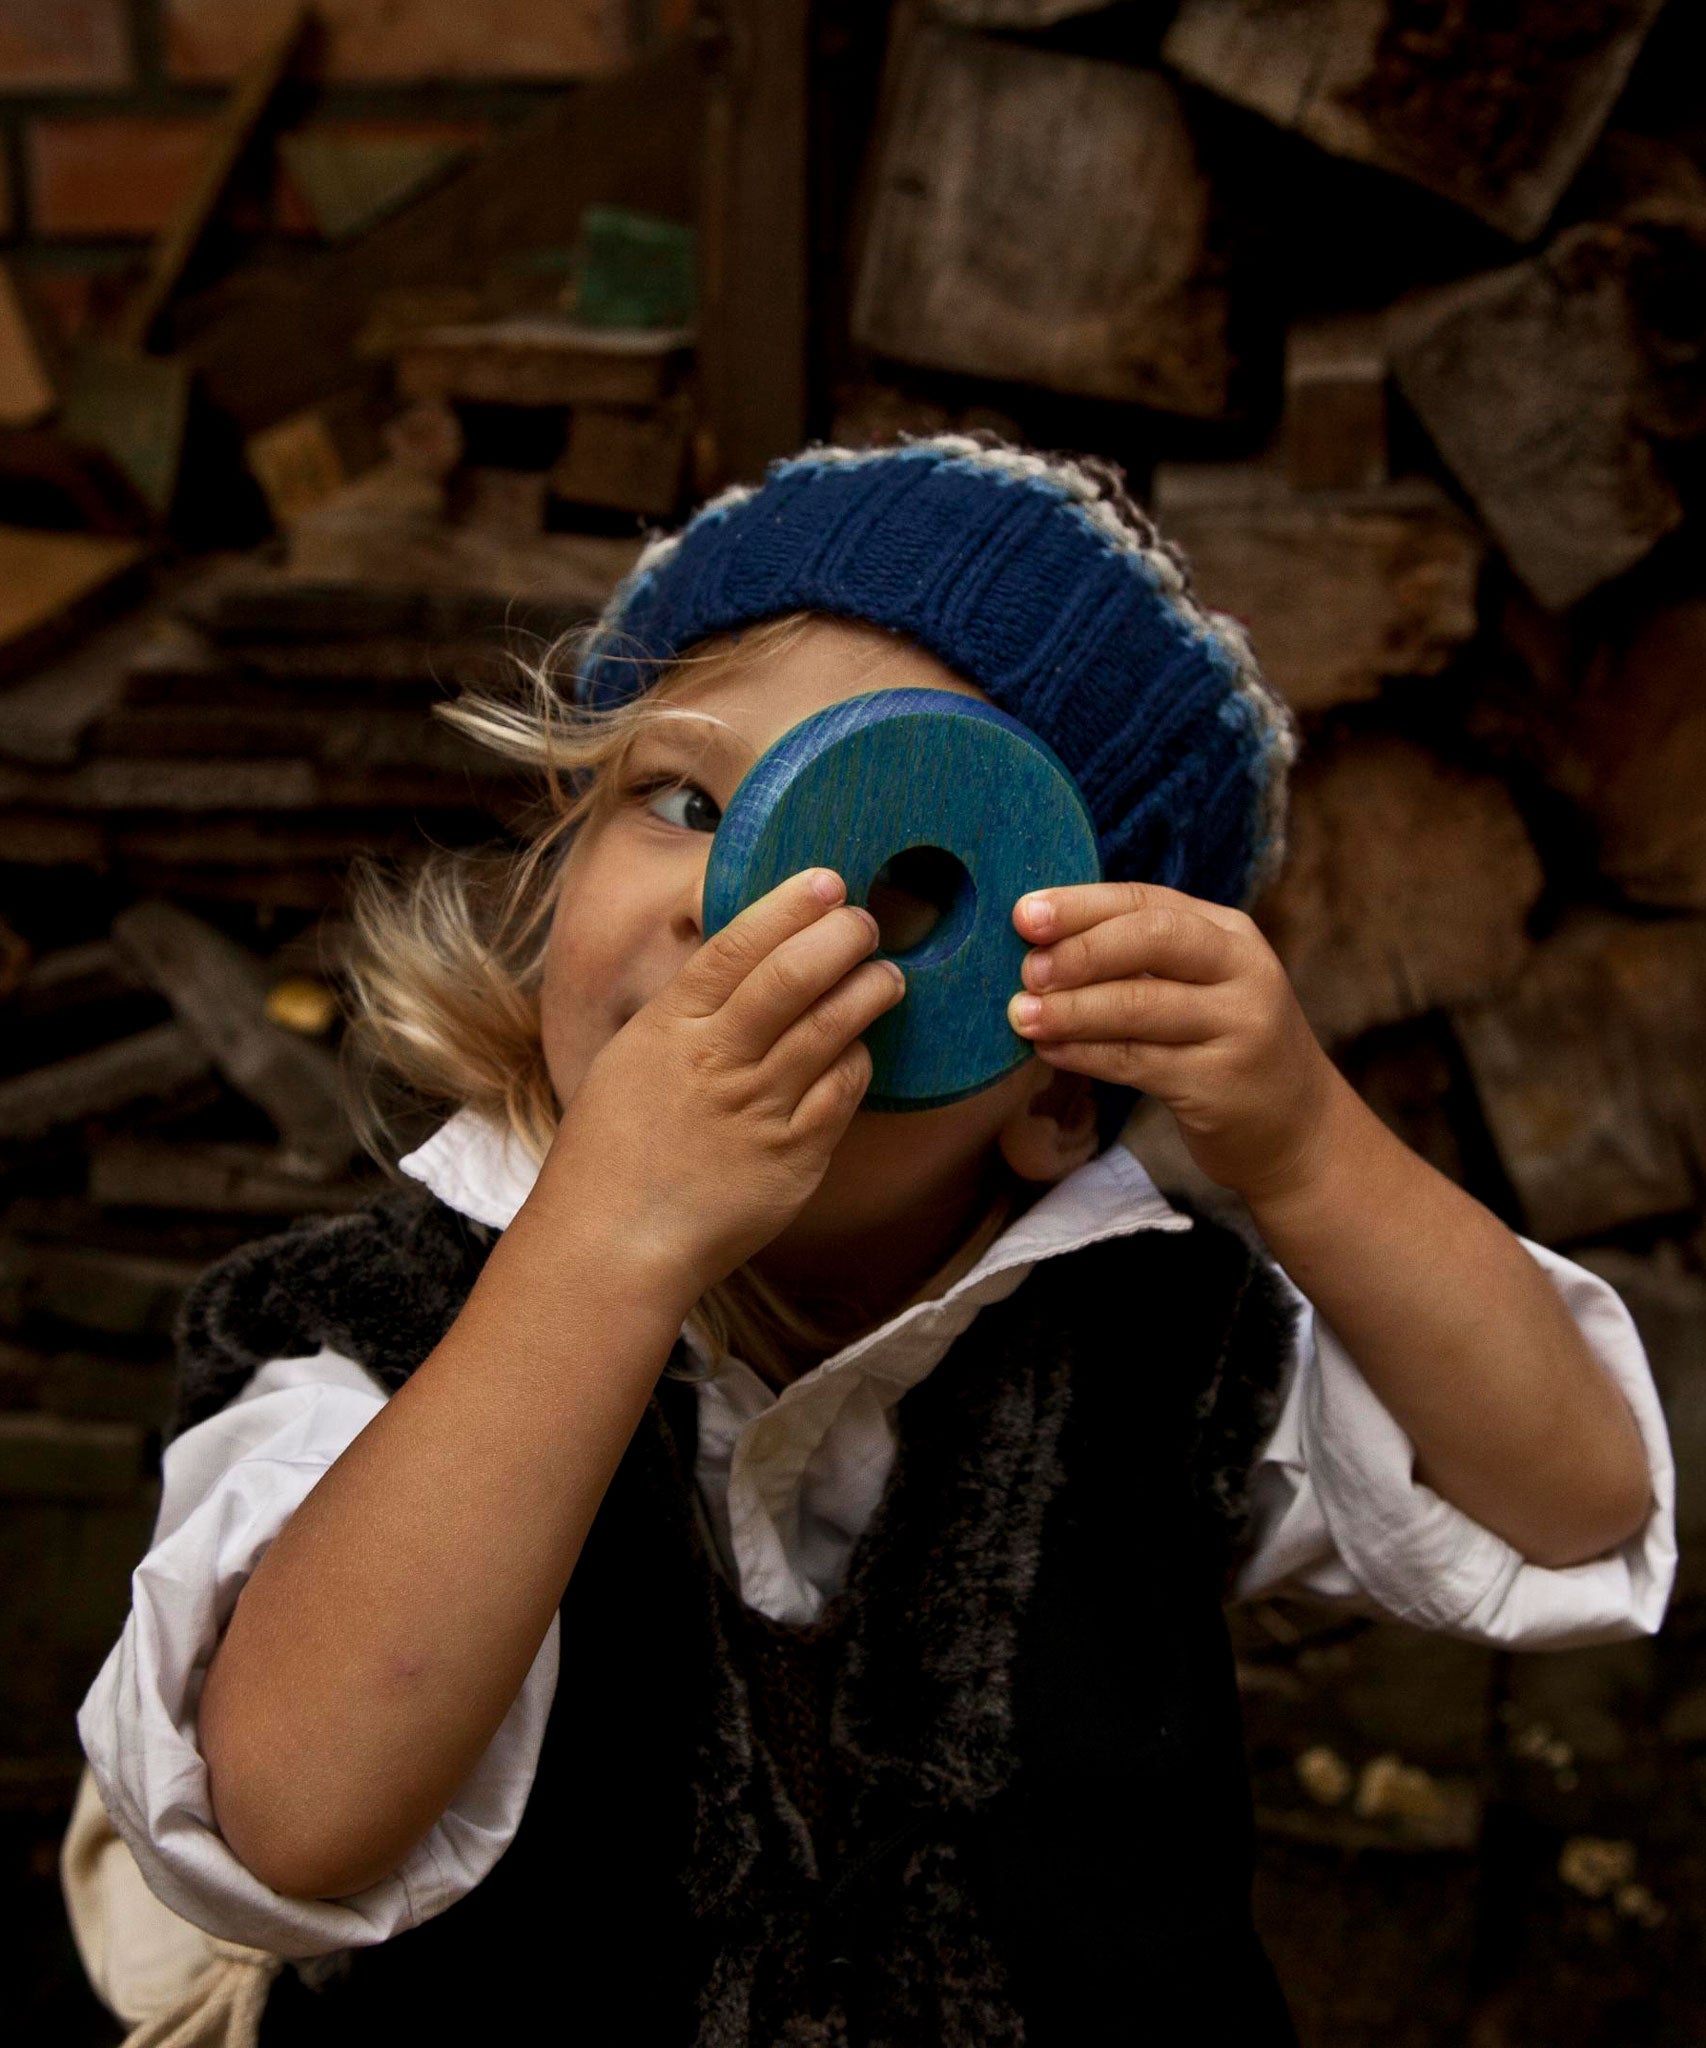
(481, 1169)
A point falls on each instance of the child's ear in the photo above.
(1052, 1130)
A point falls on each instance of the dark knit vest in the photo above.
(995, 1795)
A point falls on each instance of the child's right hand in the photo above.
(704, 1125)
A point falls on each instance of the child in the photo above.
(726, 1566)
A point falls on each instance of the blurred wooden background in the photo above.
(346, 350)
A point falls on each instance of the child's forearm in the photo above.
(380, 1642)
(1461, 1335)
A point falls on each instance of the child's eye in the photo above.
(699, 813)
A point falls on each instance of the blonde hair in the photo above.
(448, 960)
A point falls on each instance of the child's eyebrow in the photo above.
(689, 741)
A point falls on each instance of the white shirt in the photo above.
(790, 1481)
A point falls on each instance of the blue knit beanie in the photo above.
(1034, 577)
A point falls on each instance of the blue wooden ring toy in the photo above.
(927, 795)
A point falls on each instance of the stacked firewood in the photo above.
(1394, 314)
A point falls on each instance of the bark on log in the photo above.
(151, 1064)
(1494, 109)
(1407, 886)
(218, 992)
(1536, 388)
(1043, 218)
(1589, 1073)
(1337, 589)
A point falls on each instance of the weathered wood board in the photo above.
(1334, 425)
(1043, 218)
(1407, 884)
(1589, 1073)
(218, 992)
(537, 359)
(1534, 385)
(1493, 108)
(1337, 589)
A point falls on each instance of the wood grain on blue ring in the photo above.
(850, 787)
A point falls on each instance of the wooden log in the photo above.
(1588, 1072)
(1335, 404)
(630, 461)
(1494, 109)
(1407, 886)
(1534, 385)
(153, 1064)
(45, 717)
(49, 1458)
(535, 359)
(347, 740)
(218, 992)
(1635, 757)
(226, 1180)
(185, 784)
(119, 1294)
(54, 585)
(1043, 218)
(74, 978)
(1337, 589)
(1012, 14)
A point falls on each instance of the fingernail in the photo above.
(900, 978)
(876, 929)
(1025, 1009)
(1038, 912)
(826, 886)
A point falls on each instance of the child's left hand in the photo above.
(1157, 990)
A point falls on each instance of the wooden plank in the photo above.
(135, 410)
(182, 783)
(1627, 744)
(348, 182)
(230, 137)
(356, 738)
(628, 461)
(218, 992)
(1493, 108)
(26, 390)
(537, 359)
(1534, 385)
(1334, 425)
(152, 1064)
(45, 716)
(632, 139)
(53, 584)
(755, 182)
(1407, 884)
(509, 503)
(226, 1180)
(301, 461)
(1589, 1073)
(74, 978)
(1337, 589)
(1042, 218)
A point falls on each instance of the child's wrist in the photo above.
(1314, 1160)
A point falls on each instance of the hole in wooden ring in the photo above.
(913, 892)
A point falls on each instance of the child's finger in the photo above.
(1045, 915)
(819, 1039)
(728, 956)
(791, 979)
(1155, 1011)
(1154, 1069)
(1168, 939)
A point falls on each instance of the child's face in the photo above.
(901, 1185)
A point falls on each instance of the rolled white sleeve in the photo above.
(1340, 1515)
(228, 1486)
